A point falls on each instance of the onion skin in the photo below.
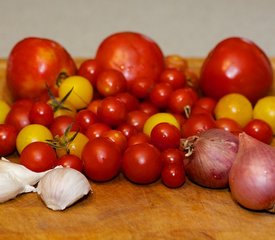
(252, 176)
(213, 154)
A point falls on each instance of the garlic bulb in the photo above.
(10, 187)
(62, 187)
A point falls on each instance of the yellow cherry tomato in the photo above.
(74, 147)
(4, 109)
(82, 91)
(234, 106)
(264, 109)
(157, 118)
(32, 133)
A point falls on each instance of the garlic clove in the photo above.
(10, 187)
(23, 174)
(62, 187)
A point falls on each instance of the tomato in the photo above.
(264, 109)
(234, 106)
(38, 157)
(89, 69)
(61, 107)
(176, 62)
(117, 137)
(137, 118)
(192, 79)
(173, 176)
(41, 113)
(110, 82)
(85, 118)
(172, 156)
(206, 103)
(229, 124)
(130, 101)
(141, 163)
(94, 105)
(134, 54)
(196, 124)
(236, 65)
(165, 135)
(260, 130)
(5, 108)
(32, 133)
(70, 160)
(148, 108)
(96, 130)
(157, 118)
(8, 135)
(82, 91)
(141, 87)
(174, 77)
(35, 63)
(127, 130)
(160, 95)
(102, 159)
(61, 124)
(112, 111)
(137, 138)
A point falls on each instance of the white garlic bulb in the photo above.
(10, 187)
(62, 187)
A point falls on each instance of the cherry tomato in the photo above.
(85, 118)
(102, 159)
(264, 109)
(160, 95)
(137, 138)
(70, 160)
(134, 54)
(61, 124)
(41, 113)
(206, 103)
(260, 130)
(176, 62)
(127, 130)
(112, 111)
(236, 65)
(165, 135)
(141, 87)
(229, 125)
(141, 163)
(8, 135)
(196, 124)
(96, 130)
(234, 106)
(32, 133)
(173, 176)
(130, 101)
(174, 77)
(172, 156)
(137, 118)
(148, 108)
(117, 137)
(89, 69)
(5, 108)
(110, 82)
(81, 91)
(38, 157)
(94, 105)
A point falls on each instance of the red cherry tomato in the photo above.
(160, 95)
(172, 156)
(117, 137)
(85, 118)
(110, 82)
(70, 160)
(230, 125)
(41, 113)
(173, 176)
(141, 163)
(236, 65)
(89, 69)
(102, 159)
(8, 135)
(206, 103)
(141, 87)
(134, 54)
(260, 130)
(148, 108)
(137, 138)
(173, 76)
(130, 101)
(137, 118)
(96, 130)
(61, 123)
(127, 130)
(165, 135)
(38, 157)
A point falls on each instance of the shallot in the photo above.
(252, 176)
(210, 155)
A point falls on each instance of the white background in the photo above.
(190, 28)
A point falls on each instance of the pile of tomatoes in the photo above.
(111, 117)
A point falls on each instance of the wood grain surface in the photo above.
(121, 210)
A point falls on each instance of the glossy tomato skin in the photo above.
(35, 63)
(90, 70)
(134, 54)
(142, 163)
(102, 159)
(8, 135)
(70, 160)
(236, 65)
(173, 176)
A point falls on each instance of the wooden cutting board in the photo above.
(121, 210)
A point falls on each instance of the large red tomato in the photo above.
(134, 54)
(236, 65)
(34, 63)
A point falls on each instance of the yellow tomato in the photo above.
(82, 91)
(236, 107)
(157, 118)
(264, 109)
(74, 147)
(4, 109)
(32, 133)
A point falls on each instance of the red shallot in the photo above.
(252, 176)
(210, 155)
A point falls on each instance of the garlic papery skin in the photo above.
(10, 187)
(20, 172)
(62, 187)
